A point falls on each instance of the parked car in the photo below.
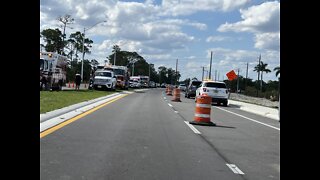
(217, 90)
(104, 79)
(191, 89)
(182, 87)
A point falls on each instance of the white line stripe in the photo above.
(203, 105)
(164, 98)
(249, 119)
(176, 111)
(234, 169)
(202, 115)
(192, 128)
(169, 104)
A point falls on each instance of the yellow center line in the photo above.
(58, 126)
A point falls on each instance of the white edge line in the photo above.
(234, 169)
(169, 104)
(249, 119)
(192, 128)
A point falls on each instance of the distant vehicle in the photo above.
(182, 87)
(152, 84)
(121, 73)
(144, 80)
(191, 88)
(104, 79)
(134, 84)
(217, 90)
(53, 70)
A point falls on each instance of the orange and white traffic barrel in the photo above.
(169, 91)
(202, 112)
(176, 95)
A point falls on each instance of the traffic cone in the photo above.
(202, 112)
(176, 95)
(169, 93)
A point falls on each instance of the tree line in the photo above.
(258, 88)
(75, 46)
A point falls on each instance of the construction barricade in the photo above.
(176, 95)
(202, 112)
(169, 93)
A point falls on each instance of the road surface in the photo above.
(145, 135)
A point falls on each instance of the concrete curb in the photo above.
(58, 112)
(272, 113)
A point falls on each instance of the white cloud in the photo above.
(263, 20)
(187, 7)
(218, 38)
(258, 19)
(270, 41)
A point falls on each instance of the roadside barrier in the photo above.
(69, 84)
(202, 112)
(85, 85)
(73, 84)
(176, 95)
(169, 91)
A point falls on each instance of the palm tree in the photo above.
(261, 68)
(277, 69)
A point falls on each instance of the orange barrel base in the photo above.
(202, 123)
(202, 112)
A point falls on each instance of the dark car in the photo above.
(191, 88)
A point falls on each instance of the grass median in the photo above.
(52, 100)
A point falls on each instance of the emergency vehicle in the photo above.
(53, 71)
(121, 73)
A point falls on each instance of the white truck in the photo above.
(104, 79)
(53, 71)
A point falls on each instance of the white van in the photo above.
(104, 79)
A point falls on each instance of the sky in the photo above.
(237, 32)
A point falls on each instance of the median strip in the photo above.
(54, 124)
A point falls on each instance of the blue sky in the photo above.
(236, 31)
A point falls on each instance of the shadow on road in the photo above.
(225, 126)
(233, 106)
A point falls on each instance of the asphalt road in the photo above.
(144, 136)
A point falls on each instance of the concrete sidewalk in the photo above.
(272, 113)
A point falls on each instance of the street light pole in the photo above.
(84, 32)
(83, 37)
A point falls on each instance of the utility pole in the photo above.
(176, 72)
(238, 81)
(202, 72)
(215, 75)
(114, 57)
(245, 86)
(210, 66)
(218, 75)
(258, 74)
